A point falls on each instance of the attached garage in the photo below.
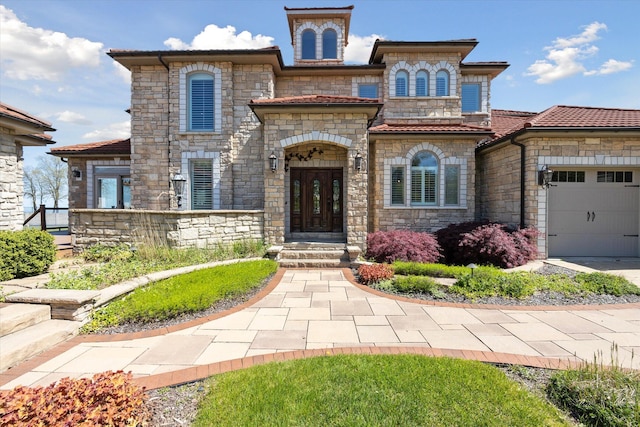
(594, 212)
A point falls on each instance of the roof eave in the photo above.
(464, 47)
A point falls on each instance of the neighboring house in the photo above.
(18, 129)
(320, 149)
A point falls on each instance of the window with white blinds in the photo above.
(402, 87)
(442, 83)
(201, 183)
(470, 97)
(368, 90)
(201, 101)
(424, 179)
(422, 83)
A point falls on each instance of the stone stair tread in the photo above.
(28, 342)
(314, 263)
(14, 317)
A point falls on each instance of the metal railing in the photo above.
(48, 218)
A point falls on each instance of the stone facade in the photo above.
(11, 186)
(177, 229)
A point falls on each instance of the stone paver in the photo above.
(314, 312)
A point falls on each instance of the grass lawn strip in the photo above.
(373, 390)
(186, 293)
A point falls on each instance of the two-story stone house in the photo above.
(316, 150)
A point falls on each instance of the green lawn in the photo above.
(399, 390)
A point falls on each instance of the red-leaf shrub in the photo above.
(449, 240)
(108, 399)
(374, 273)
(402, 245)
(496, 245)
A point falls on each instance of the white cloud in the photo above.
(214, 37)
(40, 54)
(71, 117)
(114, 131)
(566, 57)
(359, 48)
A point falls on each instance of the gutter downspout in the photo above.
(512, 141)
(168, 142)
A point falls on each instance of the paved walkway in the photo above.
(304, 313)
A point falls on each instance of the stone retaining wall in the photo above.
(174, 228)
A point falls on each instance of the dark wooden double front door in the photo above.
(316, 200)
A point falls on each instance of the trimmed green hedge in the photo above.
(25, 253)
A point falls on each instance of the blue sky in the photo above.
(53, 61)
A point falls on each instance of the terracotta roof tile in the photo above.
(9, 111)
(114, 146)
(427, 128)
(315, 99)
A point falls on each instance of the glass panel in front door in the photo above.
(316, 196)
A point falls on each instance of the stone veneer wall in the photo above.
(11, 185)
(429, 219)
(174, 228)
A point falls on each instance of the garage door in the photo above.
(594, 212)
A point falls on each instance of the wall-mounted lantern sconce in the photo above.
(357, 161)
(77, 174)
(178, 187)
(273, 162)
(545, 176)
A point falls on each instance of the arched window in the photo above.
(201, 102)
(442, 83)
(424, 179)
(402, 86)
(329, 44)
(308, 44)
(422, 83)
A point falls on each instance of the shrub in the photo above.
(420, 284)
(608, 284)
(432, 270)
(404, 245)
(25, 253)
(488, 283)
(494, 244)
(108, 398)
(449, 241)
(374, 273)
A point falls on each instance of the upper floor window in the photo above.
(308, 44)
(424, 179)
(201, 102)
(442, 83)
(368, 90)
(329, 44)
(470, 97)
(422, 83)
(402, 86)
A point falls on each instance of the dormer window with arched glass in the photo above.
(308, 44)
(329, 44)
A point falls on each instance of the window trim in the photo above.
(187, 158)
(184, 96)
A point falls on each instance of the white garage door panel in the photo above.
(594, 219)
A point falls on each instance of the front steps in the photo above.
(314, 254)
(27, 330)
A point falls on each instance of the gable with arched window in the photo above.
(329, 44)
(308, 44)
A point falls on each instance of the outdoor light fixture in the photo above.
(472, 266)
(357, 161)
(178, 187)
(273, 162)
(77, 173)
(544, 177)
